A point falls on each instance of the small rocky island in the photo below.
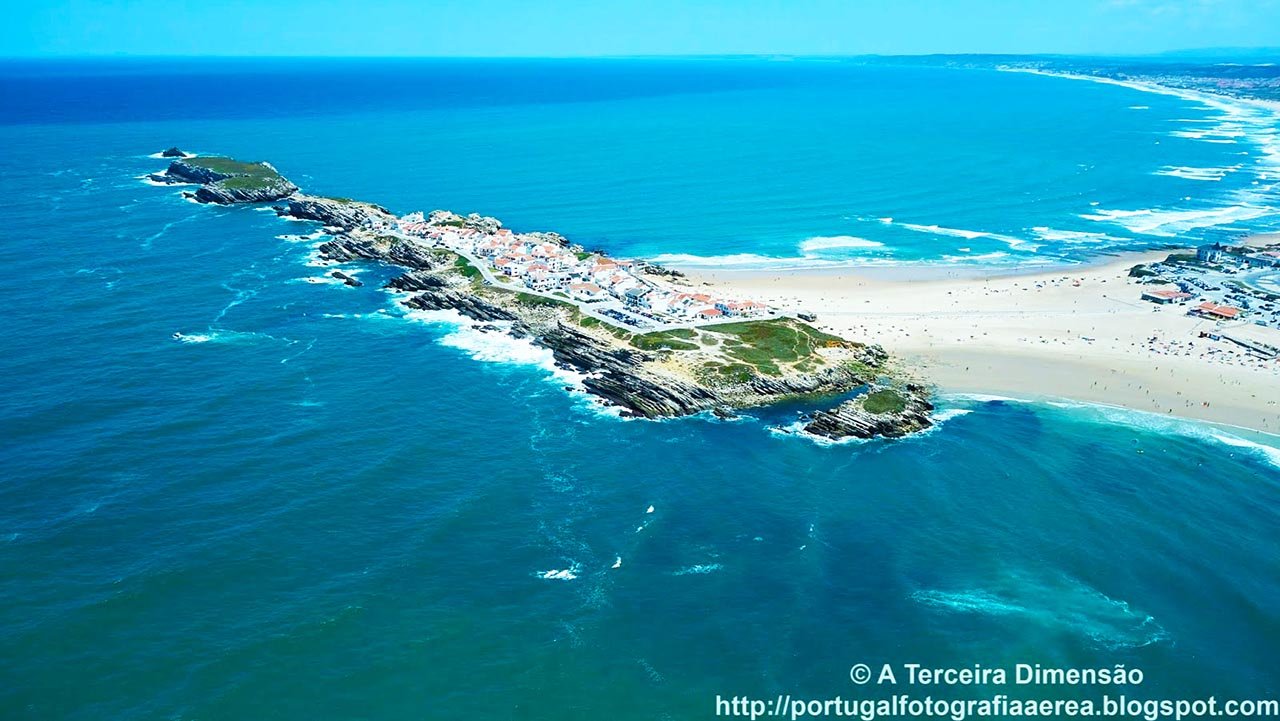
(673, 371)
(226, 181)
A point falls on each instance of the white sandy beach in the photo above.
(1079, 333)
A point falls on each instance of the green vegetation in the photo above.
(242, 176)
(1182, 258)
(884, 401)
(588, 321)
(583, 255)
(1141, 271)
(765, 344)
(728, 372)
(741, 351)
(542, 301)
(229, 166)
(678, 339)
(456, 223)
(467, 269)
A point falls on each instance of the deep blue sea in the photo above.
(309, 505)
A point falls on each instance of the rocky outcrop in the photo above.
(186, 173)
(622, 377)
(174, 152)
(831, 380)
(346, 279)
(343, 249)
(435, 295)
(263, 185)
(224, 195)
(333, 212)
(852, 419)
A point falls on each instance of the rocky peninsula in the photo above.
(677, 371)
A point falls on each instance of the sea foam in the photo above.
(834, 242)
(1051, 602)
(1238, 120)
(1009, 240)
(1187, 173)
(498, 346)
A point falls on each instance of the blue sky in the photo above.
(629, 27)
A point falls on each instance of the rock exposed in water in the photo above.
(174, 152)
(852, 419)
(347, 279)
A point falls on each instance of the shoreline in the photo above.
(1072, 330)
(1148, 86)
(1077, 333)
(628, 351)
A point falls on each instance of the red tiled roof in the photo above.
(1224, 311)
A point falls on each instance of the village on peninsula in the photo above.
(642, 340)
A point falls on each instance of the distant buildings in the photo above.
(1219, 253)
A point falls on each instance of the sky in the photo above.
(558, 28)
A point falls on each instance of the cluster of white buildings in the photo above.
(544, 265)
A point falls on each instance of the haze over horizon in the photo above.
(559, 28)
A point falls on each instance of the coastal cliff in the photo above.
(677, 371)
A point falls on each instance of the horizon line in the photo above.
(642, 56)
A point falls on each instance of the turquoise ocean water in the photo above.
(313, 506)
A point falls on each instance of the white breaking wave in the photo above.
(748, 261)
(1212, 174)
(1153, 422)
(1074, 236)
(741, 260)
(1271, 453)
(1012, 242)
(698, 569)
(832, 242)
(811, 256)
(497, 346)
(1172, 223)
(491, 346)
(560, 574)
(1240, 120)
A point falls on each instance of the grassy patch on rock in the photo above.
(884, 401)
